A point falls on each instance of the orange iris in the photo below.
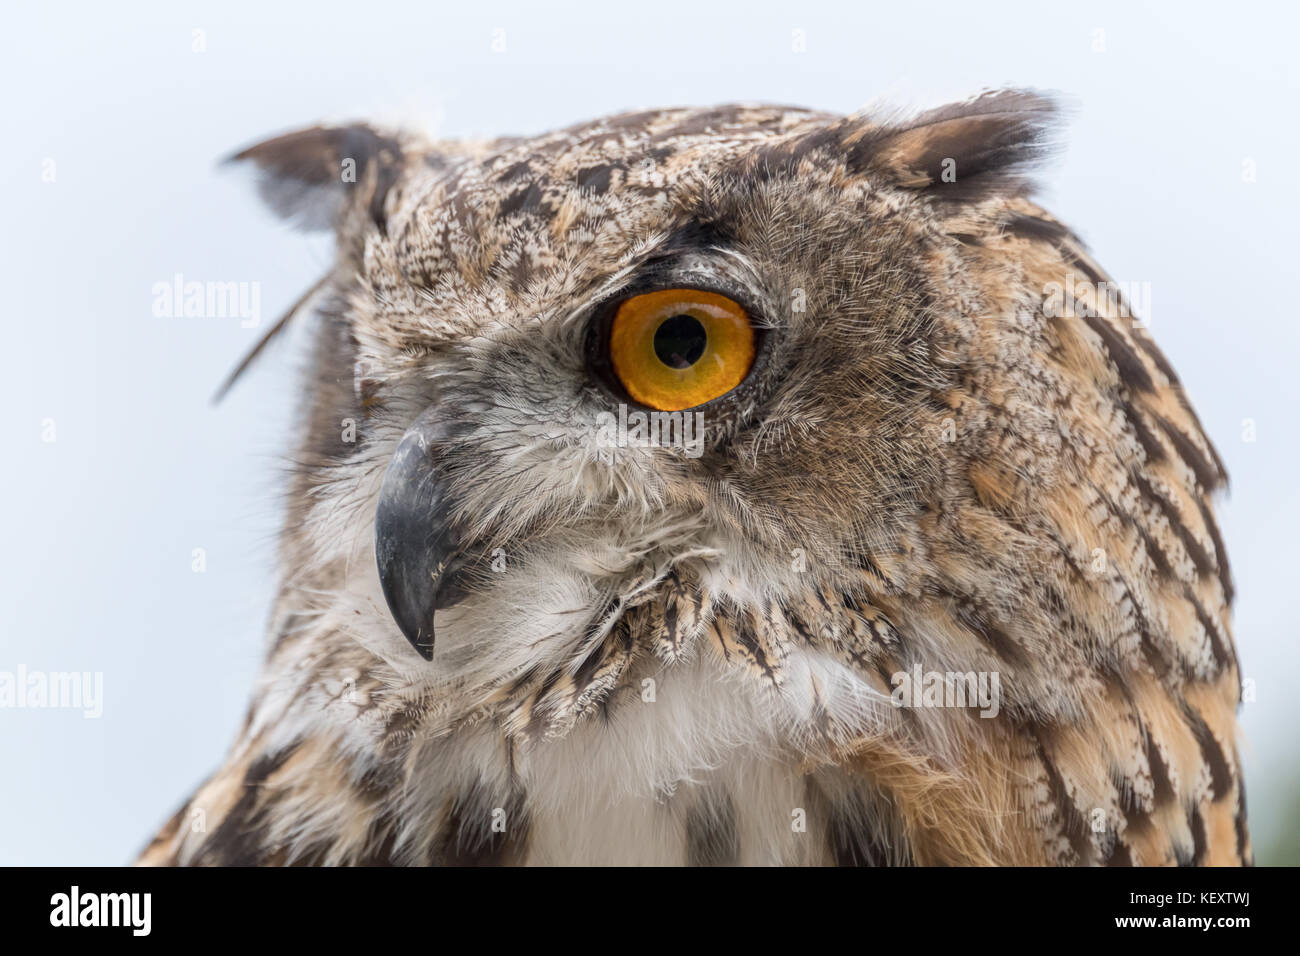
(678, 348)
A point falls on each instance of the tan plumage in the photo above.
(692, 660)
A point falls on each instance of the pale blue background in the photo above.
(99, 526)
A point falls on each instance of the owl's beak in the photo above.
(416, 546)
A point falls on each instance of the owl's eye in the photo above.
(678, 348)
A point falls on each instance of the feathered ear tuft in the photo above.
(956, 153)
(964, 151)
(315, 176)
(321, 178)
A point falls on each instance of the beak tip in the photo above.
(417, 635)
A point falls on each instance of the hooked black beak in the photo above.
(416, 547)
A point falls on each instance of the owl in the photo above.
(742, 485)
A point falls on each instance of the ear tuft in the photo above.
(958, 153)
(313, 176)
(964, 151)
(961, 152)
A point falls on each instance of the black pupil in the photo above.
(680, 341)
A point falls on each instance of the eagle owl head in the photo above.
(710, 430)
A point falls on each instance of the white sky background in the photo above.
(101, 523)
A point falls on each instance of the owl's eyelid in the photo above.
(658, 277)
